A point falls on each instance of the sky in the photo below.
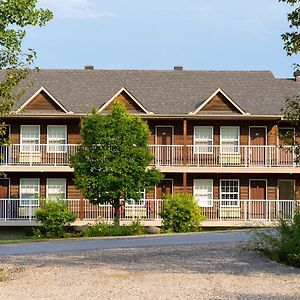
(159, 34)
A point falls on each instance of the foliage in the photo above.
(15, 16)
(292, 39)
(102, 229)
(54, 217)
(282, 244)
(181, 213)
(113, 161)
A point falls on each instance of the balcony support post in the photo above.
(184, 142)
(81, 208)
(184, 175)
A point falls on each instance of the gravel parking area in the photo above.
(207, 271)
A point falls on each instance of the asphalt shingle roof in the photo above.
(164, 92)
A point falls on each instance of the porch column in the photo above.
(184, 175)
(184, 150)
(81, 208)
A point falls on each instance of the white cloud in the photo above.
(74, 9)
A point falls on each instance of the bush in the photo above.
(102, 229)
(181, 213)
(55, 218)
(283, 243)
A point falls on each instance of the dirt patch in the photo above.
(8, 272)
(211, 271)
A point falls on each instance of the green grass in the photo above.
(15, 240)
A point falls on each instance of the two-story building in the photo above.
(214, 134)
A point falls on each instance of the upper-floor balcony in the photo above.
(165, 156)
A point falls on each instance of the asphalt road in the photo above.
(125, 242)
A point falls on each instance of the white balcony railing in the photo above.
(241, 156)
(150, 210)
(172, 155)
(24, 209)
(224, 156)
(37, 155)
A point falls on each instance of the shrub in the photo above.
(54, 217)
(102, 229)
(283, 243)
(181, 213)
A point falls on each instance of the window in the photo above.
(56, 138)
(230, 139)
(203, 139)
(203, 192)
(29, 189)
(229, 192)
(30, 138)
(56, 188)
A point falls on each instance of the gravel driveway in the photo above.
(204, 271)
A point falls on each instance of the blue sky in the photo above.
(158, 34)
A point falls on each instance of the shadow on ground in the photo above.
(205, 258)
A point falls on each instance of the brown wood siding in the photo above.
(129, 103)
(42, 102)
(72, 191)
(244, 130)
(244, 183)
(219, 103)
(73, 129)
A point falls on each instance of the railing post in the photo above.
(184, 142)
(55, 154)
(81, 208)
(30, 209)
(5, 209)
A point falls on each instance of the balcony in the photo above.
(36, 155)
(217, 212)
(222, 156)
(168, 157)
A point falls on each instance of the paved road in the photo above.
(127, 242)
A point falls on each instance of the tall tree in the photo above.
(15, 17)
(291, 45)
(292, 39)
(112, 164)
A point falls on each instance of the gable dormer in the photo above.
(125, 97)
(219, 102)
(42, 102)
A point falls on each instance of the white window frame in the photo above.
(210, 201)
(229, 193)
(36, 147)
(236, 148)
(62, 146)
(25, 201)
(197, 147)
(65, 187)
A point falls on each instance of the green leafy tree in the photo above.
(292, 39)
(112, 164)
(291, 45)
(15, 17)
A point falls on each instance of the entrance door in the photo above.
(164, 142)
(4, 194)
(286, 196)
(257, 203)
(164, 188)
(257, 142)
